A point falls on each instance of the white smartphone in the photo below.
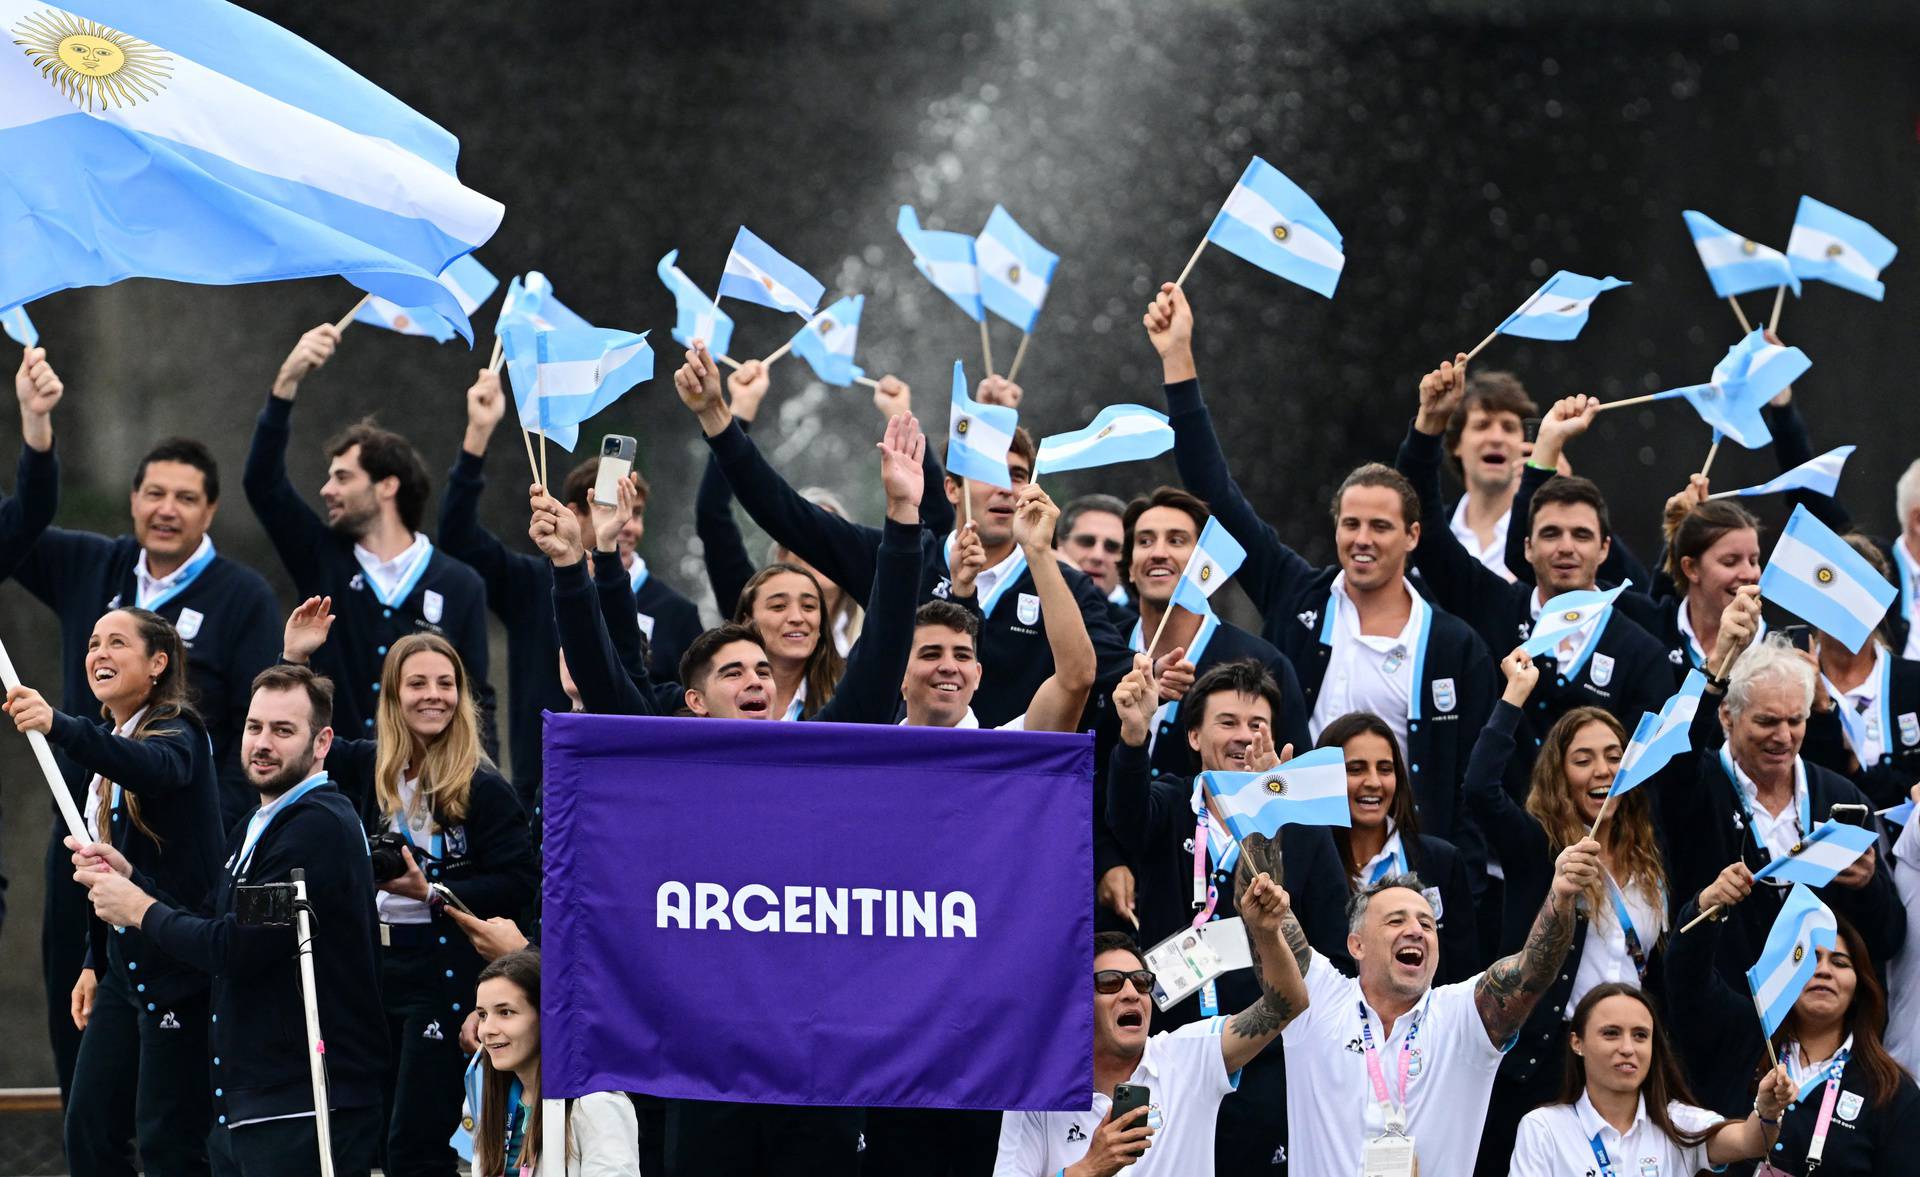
(616, 462)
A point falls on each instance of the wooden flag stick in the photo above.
(869, 381)
(1772, 1058)
(782, 350)
(986, 343)
(1188, 268)
(1637, 400)
(966, 501)
(43, 754)
(1710, 913)
(543, 457)
(533, 463)
(1159, 629)
(346, 322)
(499, 350)
(1739, 314)
(1600, 817)
(1481, 346)
(1711, 451)
(1773, 323)
(1019, 354)
(729, 361)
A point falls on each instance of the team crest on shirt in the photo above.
(189, 624)
(1602, 670)
(1649, 1167)
(1443, 696)
(1439, 917)
(432, 605)
(1029, 608)
(1849, 1106)
(1909, 728)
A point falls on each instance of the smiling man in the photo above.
(1485, 443)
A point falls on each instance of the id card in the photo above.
(1228, 939)
(1389, 1156)
(1181, 964)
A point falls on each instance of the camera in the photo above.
(385, 849)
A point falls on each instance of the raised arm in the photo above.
(297, 531)
(1060, 700)
(154, 766)
(462, 534)
(1140, 811)
(25, 516)
(1509, 988)
(893, 397)
(1458, 579)
(605, 688)
(729, 566)
(1514, 834)
(1265, 911)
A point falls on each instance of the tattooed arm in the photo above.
(1280, 954)
(1509, 988)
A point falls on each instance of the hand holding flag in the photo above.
(18, 327)
(1309, 790)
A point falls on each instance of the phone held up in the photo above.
(616, 462)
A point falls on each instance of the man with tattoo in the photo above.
(1186, 1073)
(1385, 1068)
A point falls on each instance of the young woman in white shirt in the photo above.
(1624, 1107)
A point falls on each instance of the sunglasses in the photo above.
(1089, 542)
(1110, 980)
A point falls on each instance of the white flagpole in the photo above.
(43, 752)
(1711, 451)
(316, 1045)
(493, 364)
(986, 343)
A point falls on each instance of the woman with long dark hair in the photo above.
(602, 1131)
(454, 832)
(141, 1074)
(1624, 1106)
(786, 603)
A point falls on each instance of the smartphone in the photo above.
(1128, 1096)
(1800, 635)
(449, 898)
(1853, 815)
(616, 462)
(1530, 430)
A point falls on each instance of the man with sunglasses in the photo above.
(1186, 1073)
(1091, 537)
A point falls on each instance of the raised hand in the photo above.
(1169, 323)
(1264, 905)
(1683, 502)
(553, 528)
(1135, 699)
(1733, 885)
(698, 383)
(1115, 893)
(486, 405)
(969, 559)
(1522, 676)
(748, 385)
(315, 348)
(1575, 872)
(30, 711)
(1441, 391)
(1175, 674)
(903, 453)
(1034, 518)
(609, 520)
(1739, 623)
(892, 396)
(1784, 397)
(39, 388)
(998, 390)
(306, 629)
(1568, 418)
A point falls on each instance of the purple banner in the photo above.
(818, 913)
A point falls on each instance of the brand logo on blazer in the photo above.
(1443, 697)
(1909, 728)
(1526, 630)
(1602, 670)
(433, 1032)
(189, 624)
(169, 1022)
(942, 590)
(1310, 618)
(1849, 1106)
(457, 842)
(432, 605)
(358, 582)
(1675, 657)
(1029, 609)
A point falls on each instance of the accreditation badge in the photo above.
(1181, 964)
(1390, 1155)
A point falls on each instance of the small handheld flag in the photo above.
(695, 315)
(564, 376)
(1819, 578)
(470, 283)
(1791, 954)
(1897, 816)
(1558, 310)
(1752, 373)
(532, 298)
(1015, 270)
(1830, 246)
(1216, 557)
(1568, 614)
(1660, 736)
(1309, 790)
(1736, 264)
(979, 436)
(1831, 848)
(947, 260)
(1272, 222)
(1119, 433)
(827, 342)
(18, 327)
(757, 273)
(1820, 475)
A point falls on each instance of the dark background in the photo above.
(1466, 150)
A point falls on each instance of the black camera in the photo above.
(386, 850)
(268, 906)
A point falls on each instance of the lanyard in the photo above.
(1803, 800)
(799, 701)
(1835, 1068)
(1206, 896)
(1854, 724)
(1196, 650)
(1016, 567)
(182, 577)
(1631, 933)
(1394, 1114)
(285, 803)
(408, 580)
(1420, 621)
(1600, 1156)
(516, 1127)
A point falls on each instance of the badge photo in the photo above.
(189, 624)
(432, 606)
(1909, 728)
(1443, 696)
(1602, 670)
(1029, 608)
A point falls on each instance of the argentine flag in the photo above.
(1271, 221)
(947, 260)
(757, 273)
(1216, 557)
(1751, 373)
(471, 284)
(1569, 613)
(979, 436)
(1660, 736)
(1831, 848)
(1828, 245)
(1818, 577)
(1558, 310)
(563, 376)
(1737, 264)
(828, 341)
(1820, 475)
(1119, 433)
(18, 327)
(1015, 270)
(1804, 926)
(197, 142)
(696, 315)
(532, 299)
(1309, 790)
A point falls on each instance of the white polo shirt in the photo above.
(1559, 1139)
(1186, 1078)
(1367, 672)
(1331, 1108)
(1903, 972)
(1494, 555)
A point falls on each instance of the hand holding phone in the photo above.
(449, 898)
(616, 462)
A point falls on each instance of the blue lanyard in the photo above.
(516, 1128)
(285, 803)
(1015, 569)
(1627, 930)
(639, 576)
(1804, 801)
(1600, 1156)
(404, 589)
(182, 578)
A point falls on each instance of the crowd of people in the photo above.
(1473, 975)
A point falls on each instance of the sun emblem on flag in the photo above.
(402, 322)
(1570, 308)
(1823, 574)
(962, 427)
(94, 66)
(1281, 232)
(1013, 274)
(1570, 615)
(767, 282)
(1277, 785)
(1103, 433)
(826, 325)
(1835, 249)
(1799, 953)
(1748, 247)
(1206, 573)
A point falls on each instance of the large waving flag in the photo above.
(1830, 246)
(1558, 310)
(1270, 221)
(197, 142)
(1660, 736)
(1309, 790)
(1119, 433)
(1818, 577)
(563, 376)
(1015, 270)
(1737, 264)
(827, 342)
(948, 260)
(1787, 962)
(696, 315)
(1569, 613)
(1820, 475)
(1831, 848)
(979, 436)
(757, 273)
(18, 327)
(471, 284)
(1216, 557)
